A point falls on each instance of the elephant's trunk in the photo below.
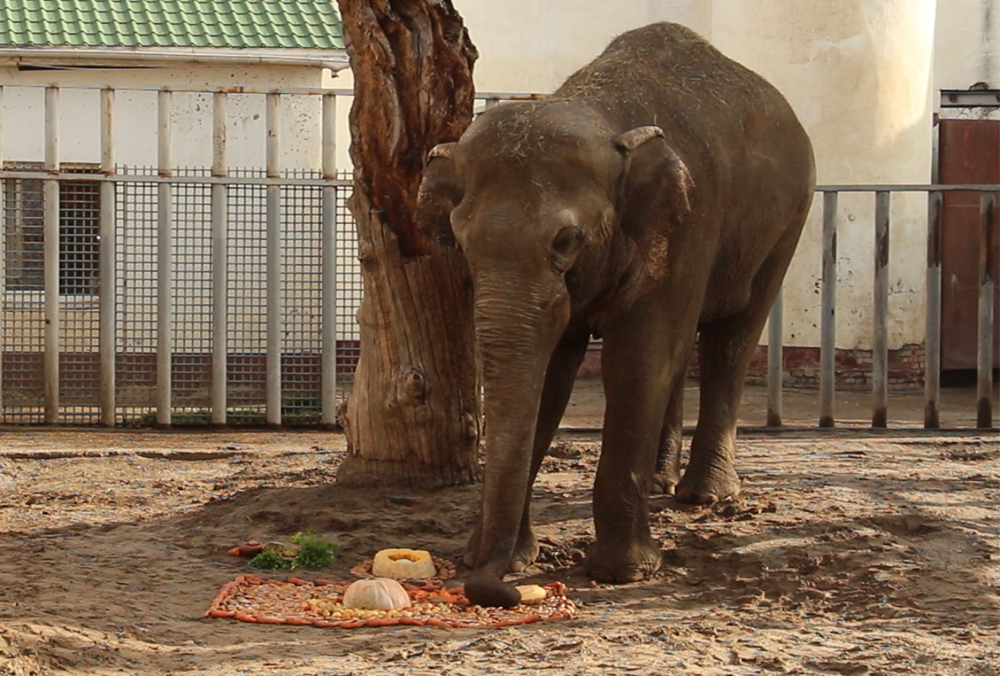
(515, 337)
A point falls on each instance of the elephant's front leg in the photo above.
(559, 379)
(640, 367)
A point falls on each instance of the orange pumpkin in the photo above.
(381, 593)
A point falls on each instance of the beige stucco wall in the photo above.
(967, 39)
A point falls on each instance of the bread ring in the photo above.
(403, 564)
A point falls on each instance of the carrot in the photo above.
(321, 582)
(435, 622)
(383, 621)
(243, 617)
(298, 621)
(270, 619)
(412, 621)
(349, 624)
(235, 551)
(297, 581)
(447, 596)
(219, 612)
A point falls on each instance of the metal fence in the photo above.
(169, 295)
(987, 272)
(177, 295)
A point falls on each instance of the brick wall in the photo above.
(853, 368)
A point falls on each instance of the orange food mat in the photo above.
(295, 601)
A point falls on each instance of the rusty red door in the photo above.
(969, 152)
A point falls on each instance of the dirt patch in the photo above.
(845, 555)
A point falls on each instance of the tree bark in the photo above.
(413, 416)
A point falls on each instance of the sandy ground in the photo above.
(850, 552)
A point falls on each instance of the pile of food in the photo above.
(392, 598)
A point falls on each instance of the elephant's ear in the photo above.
(440, 192)
(655, 194)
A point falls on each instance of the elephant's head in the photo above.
(550, 206)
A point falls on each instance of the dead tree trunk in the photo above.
(413, 415)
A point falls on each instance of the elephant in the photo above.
(655, 201)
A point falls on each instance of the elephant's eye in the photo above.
(565, 246)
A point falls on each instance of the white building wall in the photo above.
(967, 40)
(136, 116)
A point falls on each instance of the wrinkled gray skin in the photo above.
(655, 199)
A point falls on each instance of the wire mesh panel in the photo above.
(349, 290)
(302, 286)
(23, 302)
(136, 248)
(136, 254)
(79, 312)
(192, 300)
(247, 334)
(24, 296)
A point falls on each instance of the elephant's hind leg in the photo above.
(726, 347)
(668, 455)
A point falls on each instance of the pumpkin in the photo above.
(380, 593)
(403, 564)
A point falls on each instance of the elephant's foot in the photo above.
(525, 550)
(665, 482)
(708, 482)
(620, 564)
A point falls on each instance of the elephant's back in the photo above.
(722, 118)
(666, 74)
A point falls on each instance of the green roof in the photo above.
(274, 24)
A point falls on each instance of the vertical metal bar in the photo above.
(987, 279)
(932, 341)
(51, 256)
(164, 267)
(828, 319)
(220, 263)
(107, 261)
(273, 263)
(880, 344)
(775, 370)
(328, 381)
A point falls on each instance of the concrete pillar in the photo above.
(859, 75)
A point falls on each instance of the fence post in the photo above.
(220, 262)
(328, 376)
(932, 341)
(880, 345)
(775, 343)
(164, 272)
(108, 262)
(987, 277)
(51, 256)
(828, 300)
(273, 263)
